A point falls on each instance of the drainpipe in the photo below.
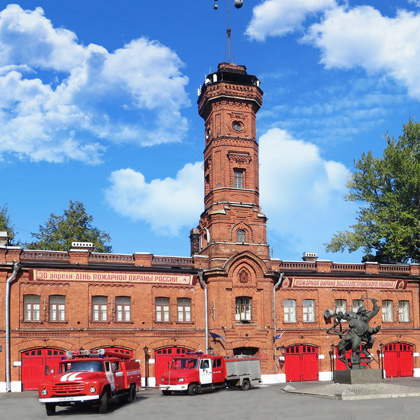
(16, 267)
(275, 317)
(206, 313)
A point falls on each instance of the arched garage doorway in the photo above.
(163, 359)
(398, 360)
(36, 364)
(301, 363)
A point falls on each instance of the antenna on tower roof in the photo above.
(238, 4)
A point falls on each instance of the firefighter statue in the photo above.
(357, 337)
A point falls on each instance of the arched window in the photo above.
(240, 235)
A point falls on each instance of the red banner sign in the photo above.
(289, 282)
(106, 276)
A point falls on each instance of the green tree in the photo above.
(388, 188)
(5, 223)
(75, 225)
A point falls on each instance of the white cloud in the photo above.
(363, 37)
(135, 94)
(301, 193)
(166, 205)
(279, 17)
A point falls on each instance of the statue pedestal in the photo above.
(358, 376)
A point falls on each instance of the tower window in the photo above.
(239, 179)
(243, 309)
(240, 235)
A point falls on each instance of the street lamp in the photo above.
(146, 365)
(381, 359)
(332, 353)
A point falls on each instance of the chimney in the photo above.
(194, 241)
(310, 256)
(82, 246)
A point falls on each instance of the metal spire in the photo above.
(238, 4)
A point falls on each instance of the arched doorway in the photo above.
(398, 360)
(245, 351)
(301, 363)
(121, 350)
(36, 364)
(163, 359)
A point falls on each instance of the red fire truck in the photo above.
(193, 372)
(91, 377)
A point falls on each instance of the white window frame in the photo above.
(238, 176)
(387, 311)
(356, 304)
(243, 312)
(99, 308)
(122, 308)
(57, 308)
(404, 311)
(184, 309)
(308, 310)
(162, 305)
(32, 308)
(340, 305)
(289, 310)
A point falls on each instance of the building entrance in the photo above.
(301, 363)
(398, 360)
(163, 359)
(37, 363)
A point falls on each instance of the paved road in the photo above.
(257, 404)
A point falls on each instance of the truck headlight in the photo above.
(44, 392)
(180, 379)
(92, 389)
(162, 379)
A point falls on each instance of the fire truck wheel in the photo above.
(246, 385)
(193, 389)
(50, 409)
(103, 403)
(132, 393)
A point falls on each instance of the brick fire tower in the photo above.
(232, 221)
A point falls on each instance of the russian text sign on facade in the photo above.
(103, 276)
(290, 282)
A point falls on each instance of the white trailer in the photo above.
(242, 371)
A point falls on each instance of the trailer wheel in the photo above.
(246, 385)
(50, 409)
(166, 392)
(193, 389)
(132, 393)
(103, 403)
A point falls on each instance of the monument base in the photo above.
(359, 376)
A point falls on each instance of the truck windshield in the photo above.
(184, 363)
(84, 366)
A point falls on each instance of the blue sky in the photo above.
(98, 104)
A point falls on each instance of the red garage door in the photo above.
(398, 360)
(301, 363)
(163, 359)
(119, 350)
(36, 364)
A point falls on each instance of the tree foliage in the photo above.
(388, 188)
(75, 225)
(5, 223)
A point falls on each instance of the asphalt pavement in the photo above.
(263, 402)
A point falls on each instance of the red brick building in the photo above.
(156, 307)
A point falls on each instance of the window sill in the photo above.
(58, 322)
(185, 322)
(32, 322)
